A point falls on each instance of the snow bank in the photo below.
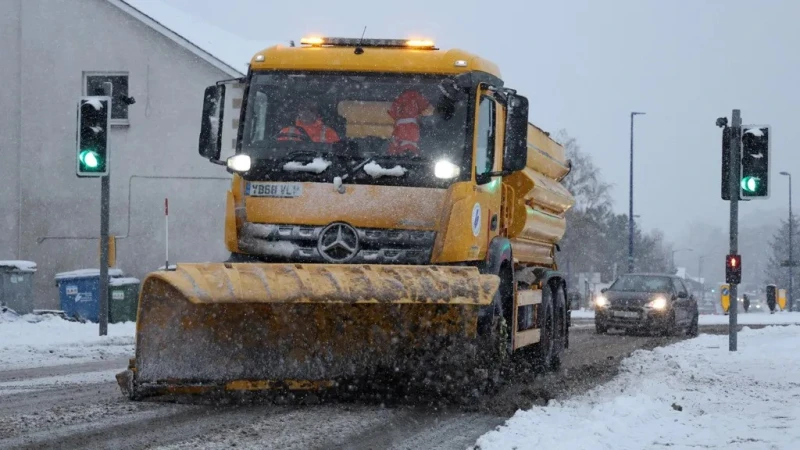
(678, 396)
(582, 314)
(44, 340)
(779, 318)
(317, 165)
(375, 170)
(22, 266)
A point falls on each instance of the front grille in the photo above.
(298, 243)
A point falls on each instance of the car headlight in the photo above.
(601, 301)
(239, 163)
(659, 303)
(445, 169)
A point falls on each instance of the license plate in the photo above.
(627, 314)
(279, 190)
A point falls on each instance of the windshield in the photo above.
(378, 128)
(642, 283)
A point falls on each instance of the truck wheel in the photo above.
(559, 328)
(494, 331)
(545, 349)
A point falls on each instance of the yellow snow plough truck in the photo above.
(393, 217)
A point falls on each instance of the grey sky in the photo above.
(585, 64)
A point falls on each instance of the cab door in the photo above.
(487, 158)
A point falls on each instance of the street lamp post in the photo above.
(791, 252)
(630, 205)
(700, 275)
(675, 251)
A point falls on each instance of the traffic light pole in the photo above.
(104, 219)
(105, 194)
(733, 182)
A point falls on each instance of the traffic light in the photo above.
(754, 182)
(733, 269)
(726, 162)
(94, 114)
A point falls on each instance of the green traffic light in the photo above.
(750, 184)
(90, 159)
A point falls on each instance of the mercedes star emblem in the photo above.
(338, 242)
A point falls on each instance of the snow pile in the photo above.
(779, 318)
(375, 170)
(318, 165)
(21, 266)
(678, 396)
(45, 340)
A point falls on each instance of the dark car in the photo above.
(650, 302)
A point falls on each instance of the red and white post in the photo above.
(166, 223)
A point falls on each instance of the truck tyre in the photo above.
(545, 349)
(559, 326)
(494, 331)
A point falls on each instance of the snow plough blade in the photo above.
(292, 326)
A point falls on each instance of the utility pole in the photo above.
(630, 204)
(105, 193)
(791, 251)
(733, 181)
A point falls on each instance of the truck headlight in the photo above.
(445, 169)
(239, 163)
(600, 301)
(659, 303)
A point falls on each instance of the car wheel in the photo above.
(694, 328)
(669, 327)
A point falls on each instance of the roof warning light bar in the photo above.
(357, 42)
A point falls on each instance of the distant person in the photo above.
(746, 301)
(771, 303)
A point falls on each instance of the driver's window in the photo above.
(258, 116)
(484, 160)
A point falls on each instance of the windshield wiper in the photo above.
(337, 181)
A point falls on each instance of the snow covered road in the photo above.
(47, 403)
(678, 397)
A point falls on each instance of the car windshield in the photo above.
(313, 127)
(642, 283)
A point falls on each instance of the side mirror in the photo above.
(210, 144)
(603, 291)
(515, 156)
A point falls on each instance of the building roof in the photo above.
(226, 51)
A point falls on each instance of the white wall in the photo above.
(60, 40)
(9, 126)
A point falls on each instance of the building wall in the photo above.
(10, 96)
(60, 40)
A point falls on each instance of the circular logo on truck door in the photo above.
(476, 220)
